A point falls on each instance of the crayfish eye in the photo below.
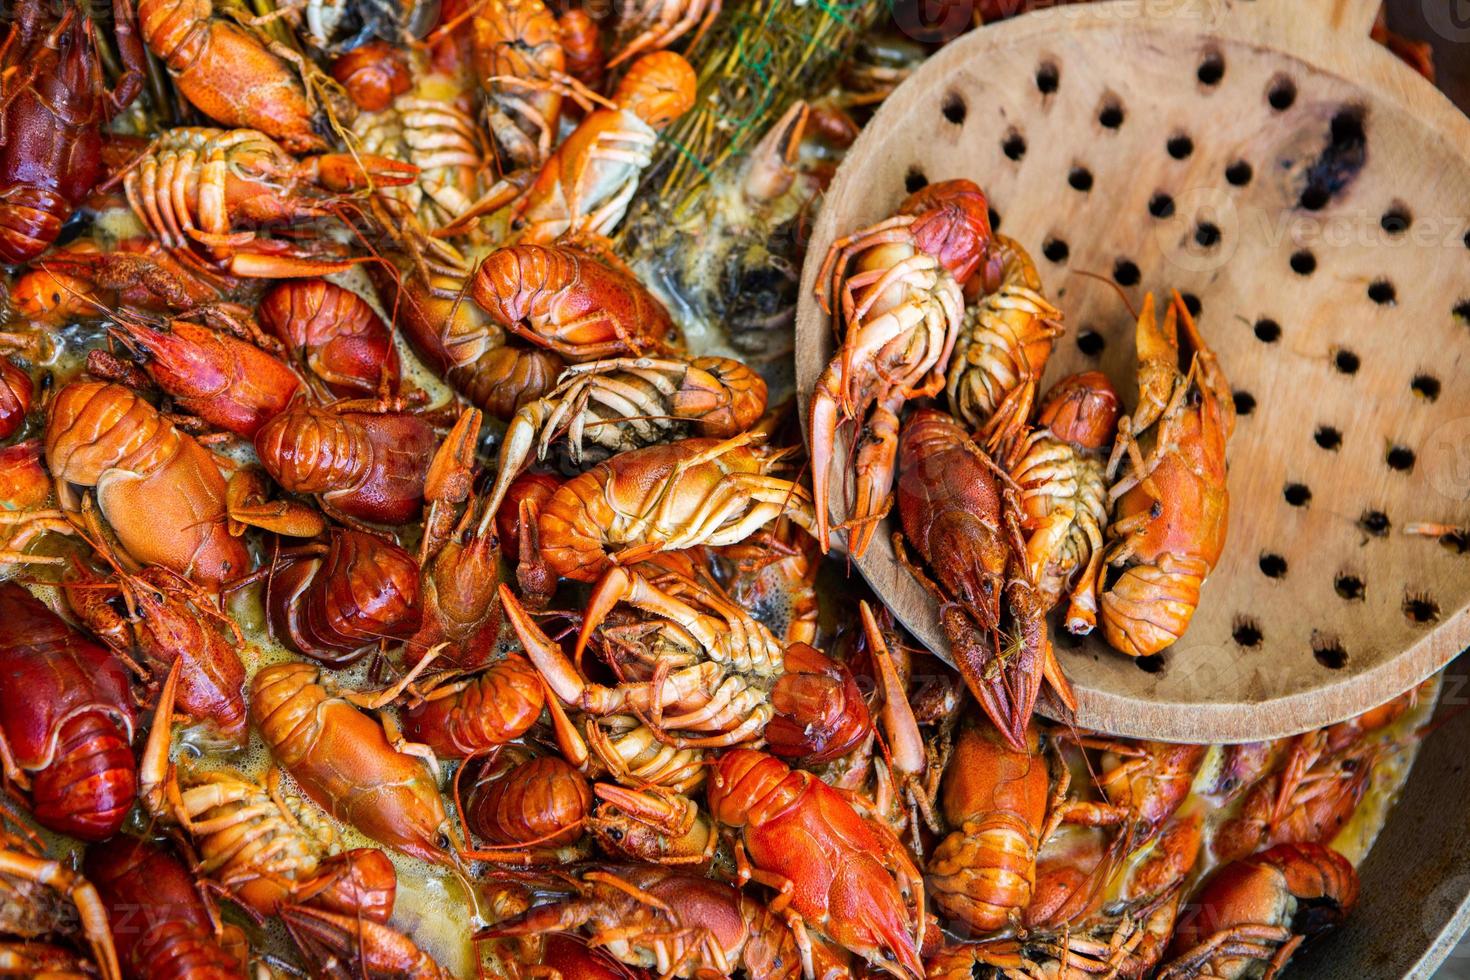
(615, 833)
(888, 955)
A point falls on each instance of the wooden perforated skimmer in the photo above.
(1310, 196)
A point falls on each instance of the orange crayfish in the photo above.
(1063, 492)
(1171, 506)
(848, 878)
(966, 528)
(52, 113)
(900, 309)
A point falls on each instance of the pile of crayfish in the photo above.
(390, 588)
(1012, 500)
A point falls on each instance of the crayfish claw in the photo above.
(559, 673)
(877, 456)
(452, 468)
(327, 938)
(343, 172)
(823, 429)
(773, 161)
(617, 584)
(249, 264)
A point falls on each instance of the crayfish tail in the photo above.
(1150, 606)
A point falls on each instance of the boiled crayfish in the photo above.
(53, 106)
(1171, 504)
(897, 289)
(965, 526)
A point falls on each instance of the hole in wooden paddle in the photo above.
(953, 108)
(1247, 632)
(1396, 220)
(1281, 93)
(1420, 609)
(1400, 458)
(1457, 541)
(1014, 145)
(1048, 78)
(1333, 170)
(1329, 651)
(1211, 69)
(1426, 386)
(1349, 586)
(1374, 522)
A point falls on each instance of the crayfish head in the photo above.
(874, 924)
(658, 89)
(722, 395)
(373, 75)
(1082, 409)
(951, 223)
(47, 295)
(464, 600)
(979, 592)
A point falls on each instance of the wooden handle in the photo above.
(1351, 18)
